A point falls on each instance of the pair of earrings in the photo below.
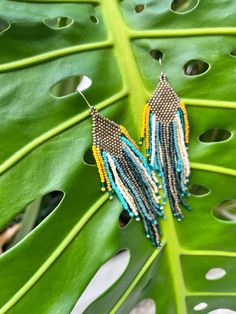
(123, 169)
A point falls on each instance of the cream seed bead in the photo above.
(180, 144)
(122, 188)
(185, 157)
(153, 139)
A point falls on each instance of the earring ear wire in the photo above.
(161, 66)
(85, 99)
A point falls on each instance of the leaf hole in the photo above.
(215, 274)
(104, 278)
(222, 311)
(58, 22)
(4, 25)
(89, 158)
(226, 210)
(183, 6)
(195, 67)
(200, 306)
(124, 218)
(94, 19)
(145, 306)
(70, 85)
(233, 52)
(156, 54)
(198, 190)
(214, 135)
(139, 8)
(30, 217)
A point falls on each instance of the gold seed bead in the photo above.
(144, 121)
(186, 124)
(98, 163)
(147, 128)
(103, 169)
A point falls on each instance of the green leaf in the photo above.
(44, 139)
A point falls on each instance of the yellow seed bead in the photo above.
(94, 149)
(147, 128)
(103, 169)
(143, 121)
(186, 124)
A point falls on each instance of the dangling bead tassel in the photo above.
(167, 136)
(124, 171)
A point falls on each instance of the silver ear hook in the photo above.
(161, 67)
(162, 75)
(85, 99)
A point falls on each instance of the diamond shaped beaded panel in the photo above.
(164, 101)
(106, 134)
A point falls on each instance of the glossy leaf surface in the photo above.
(44, 139)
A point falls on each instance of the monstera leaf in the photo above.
(44, 139)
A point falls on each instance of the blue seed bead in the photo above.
(131, 187)
(137, 152)
(188, 207)
(148, 191)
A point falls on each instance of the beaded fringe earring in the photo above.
(124, 170)
(166, 131)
